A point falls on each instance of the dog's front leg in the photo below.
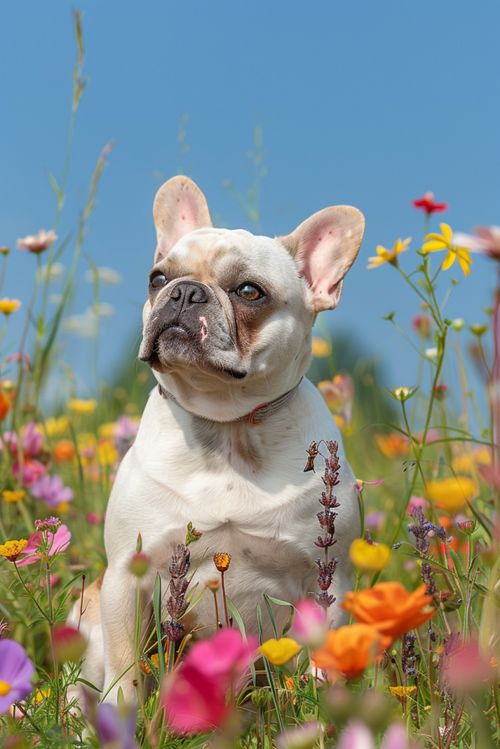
(118, 615)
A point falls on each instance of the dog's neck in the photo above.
(255, 416)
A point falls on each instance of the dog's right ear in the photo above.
(179, 207)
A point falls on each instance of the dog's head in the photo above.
(227, 322)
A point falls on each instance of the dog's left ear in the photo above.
(179, 207)
(324, 248)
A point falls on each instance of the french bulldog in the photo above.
(222, 441)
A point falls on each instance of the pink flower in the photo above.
(50, 489)
(464, 667)
(56, 543)
(37, 243)
(356, 736)
(32, 441)
(93, 518)
(30, 471)
(486, 239)
(194, 696)
(416, 502)
(309, 624)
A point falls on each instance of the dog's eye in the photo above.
(157, 280)
(249, 292)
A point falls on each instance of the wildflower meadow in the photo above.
(411, 658)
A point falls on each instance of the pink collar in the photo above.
(258, 414)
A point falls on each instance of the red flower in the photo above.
(429, 205)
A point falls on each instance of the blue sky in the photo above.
(359, 102)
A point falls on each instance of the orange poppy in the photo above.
(64, 450)
(393, 445)
(349, 650)
(390, 608)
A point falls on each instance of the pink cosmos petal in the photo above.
(356, 736)
(396, 738)
(309, 624)
(192, 703)
(224, 654)
(59, 542)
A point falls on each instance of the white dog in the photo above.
(222, 441)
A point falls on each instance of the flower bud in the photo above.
(139, 564)
(68, 644)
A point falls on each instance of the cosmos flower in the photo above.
(51, 489)
(486, 239)
(16, 671)
(309, 623)
(194, 696)
(47, 543)
(436, 242)
(388, 256)
(37, 243)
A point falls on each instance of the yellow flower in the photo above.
(468, 462)
(12, 549)
(401, 691)
(388, 256)
(222, 560)
(8, 306)
(280, 651)
(321, 349)
(444, 241)
(107, 430)
(56, 427)
(42, 694)
(80, 406)
(451, 493)
(11, 496)
(369, 557)
(106, 452)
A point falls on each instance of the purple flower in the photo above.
(115, 726)
(16, 671)
(124, 434)
(32, 441)
(51, 490)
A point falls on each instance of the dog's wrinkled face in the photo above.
(227, 307)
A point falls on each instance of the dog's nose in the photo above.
(188, 293)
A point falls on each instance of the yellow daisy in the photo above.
(8, 306)
(436, 242)
(388, 256)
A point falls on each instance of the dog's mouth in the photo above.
(153, 351)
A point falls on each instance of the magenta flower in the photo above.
(195, 696)
(16, 671)
(40, 543)
(30, 471)
(32, 441)
(50, 489)
(356, 736)
(309, 624)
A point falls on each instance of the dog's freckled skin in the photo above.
(197, 456)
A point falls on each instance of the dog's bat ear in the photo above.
(179, 207)
(324, 248)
